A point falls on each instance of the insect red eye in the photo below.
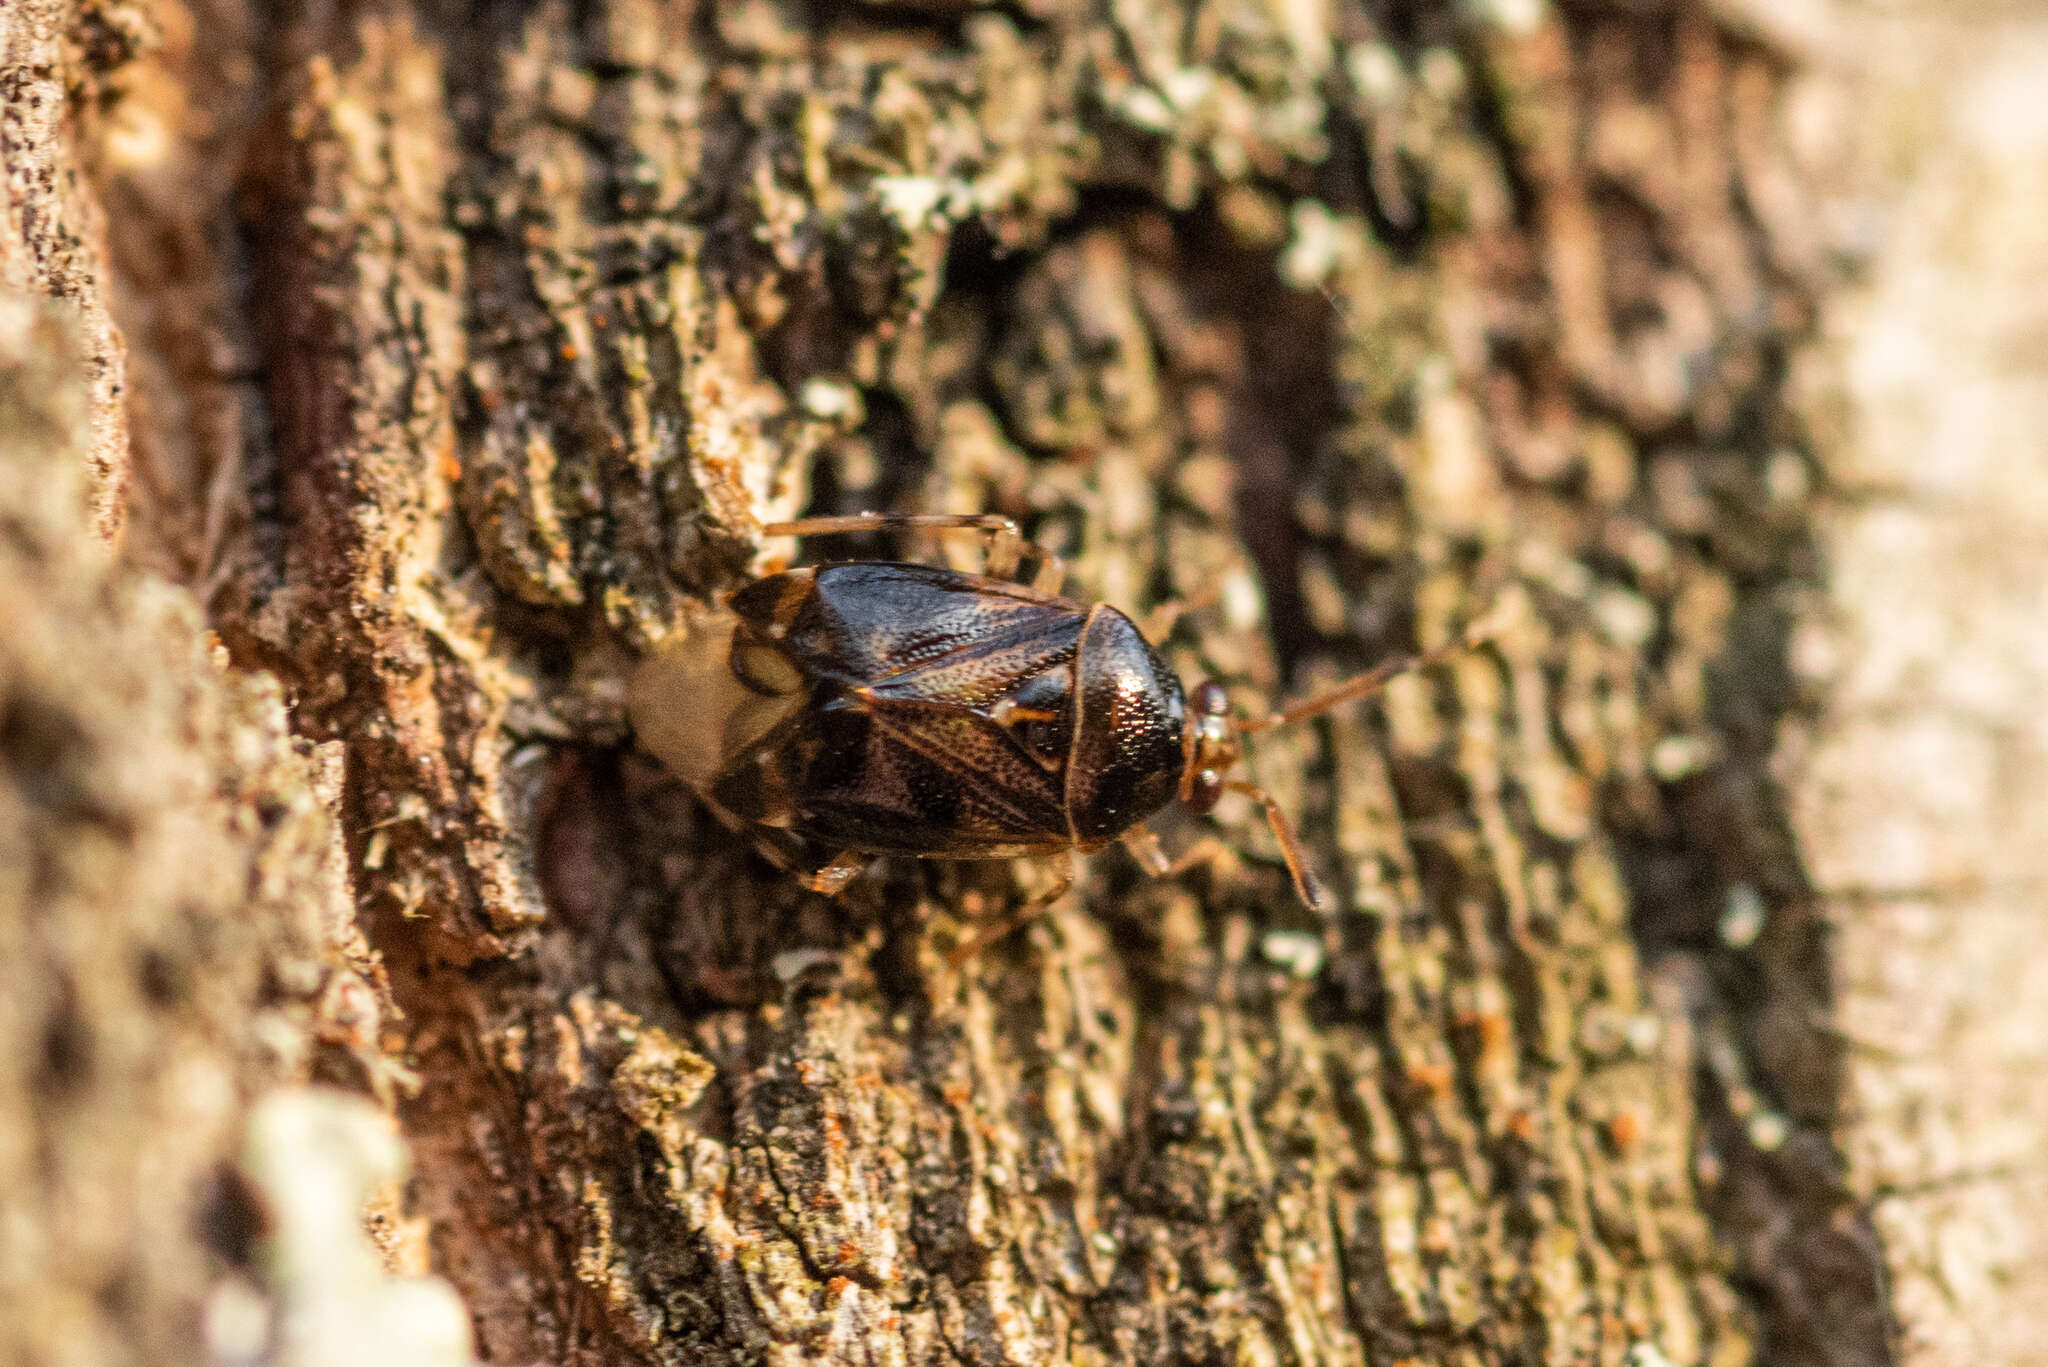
(1205, 791)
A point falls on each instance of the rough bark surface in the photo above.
(49, 244)
(481, 341)
(176, 938)
(1918, 788)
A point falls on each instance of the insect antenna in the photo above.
(1374, 679)
(1214, 750)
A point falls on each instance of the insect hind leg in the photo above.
(1013, 921)
(1006, 548)
(833, 878)
(823, 873)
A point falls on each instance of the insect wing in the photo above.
(913, 631)
(691, 708)
(898, 749)
(901, 776)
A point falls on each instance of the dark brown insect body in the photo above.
(950, 714)
(869, 708)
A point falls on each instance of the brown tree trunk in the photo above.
(470, 348)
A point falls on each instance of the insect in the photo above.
(865, 708)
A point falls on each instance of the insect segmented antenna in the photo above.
(1377, 678)
(1214, 742)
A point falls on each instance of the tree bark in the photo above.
(478, 343)
(1916, 791)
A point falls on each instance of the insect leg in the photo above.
(1007, 548)
(1306, 885)
(1062, 879)
(1051, 574)
(1160, 621)
(1152, 857)
(833, 878)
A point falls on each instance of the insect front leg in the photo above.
(1152, 857)
(1306, 885)
(1161, 620)
(1011, 922)
(1007, 548)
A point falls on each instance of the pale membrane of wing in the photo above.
(690, 709)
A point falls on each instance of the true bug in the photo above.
(866, 708)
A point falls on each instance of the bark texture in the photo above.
(176, 937)
(483, 339)
(1918, 788)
